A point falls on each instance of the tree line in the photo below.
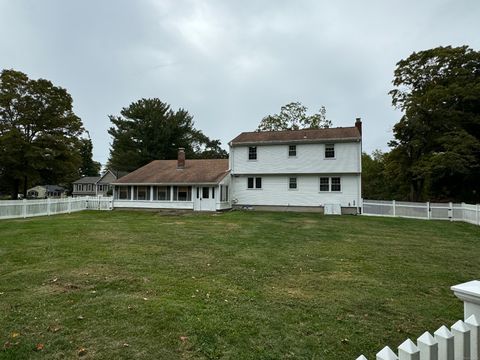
(435, 153)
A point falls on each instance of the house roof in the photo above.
(299, 136)
(166, 172)
(87, 180)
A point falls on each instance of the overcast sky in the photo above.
(229, 63)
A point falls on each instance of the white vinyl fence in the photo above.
(460, 342)
(417, 210)
(11, 209)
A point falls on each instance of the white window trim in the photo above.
(288, 152)
(334, 152)
(296, 183)
(255, 183)
(330, 185)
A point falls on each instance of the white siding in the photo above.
(274, 159)
(146, 204)
(275, 191)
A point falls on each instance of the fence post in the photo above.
(48, 206)
(394, 211)
(428, 210)
(428, 346)
(463, 211)
(478, 219)
(24, 208)
(445, 342)
(450, 211)
(469, 293)
(474, 327)
(461, 339)
(408, 351)
(69, 205)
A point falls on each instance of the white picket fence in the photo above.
(461, 342)
(418, 210)
(11, 209)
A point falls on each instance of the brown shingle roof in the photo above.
(306, 135)
(166, 172)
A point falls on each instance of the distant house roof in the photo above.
(299, 136)
(87, 180)
(199, 171)
(54, 188)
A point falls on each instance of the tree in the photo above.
(38, 132)
(150, 130)
(89, 167)
(437, 140)
(293, 116)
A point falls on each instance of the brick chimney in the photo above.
(181, 158)
(358, 125)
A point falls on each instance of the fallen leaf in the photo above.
(145, 299)
(183, 338)
(54, 328)
(39, 347)
(345, 341)
(82, 351)
(80, 317)
(125, 345)
(7, 345)
(14, 334)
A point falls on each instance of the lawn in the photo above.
(237, 285)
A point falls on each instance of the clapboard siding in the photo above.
(274, 159)
(275, 191)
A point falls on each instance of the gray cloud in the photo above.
(229, 63)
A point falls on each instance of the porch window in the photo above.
(182, 193)
(123, 192)
(205, 192)
(161, 193)
(142, 193)
(223, 192)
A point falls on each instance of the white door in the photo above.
(205, 198)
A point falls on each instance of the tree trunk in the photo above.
(25, 186)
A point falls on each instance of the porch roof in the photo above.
(198, 171)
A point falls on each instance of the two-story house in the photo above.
(301, 170)
(308, 170)
(96, 185)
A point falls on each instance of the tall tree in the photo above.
(89, 167)
(38, 132)
(437, 140)
(150, 130)
(293, 116)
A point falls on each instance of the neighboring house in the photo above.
(176, 184)
(312, 170)
(301, 170)
(96, 185)
(46, 191)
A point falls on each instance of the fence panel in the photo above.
(437, 211)
(12, 209)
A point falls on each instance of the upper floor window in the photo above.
(330, 151)
(252, 153)
(292, 150)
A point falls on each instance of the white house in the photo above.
(96, 185)
(309, 170)
(202, 185)
(301, 170)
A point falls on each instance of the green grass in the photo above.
(238, 285)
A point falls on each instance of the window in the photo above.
(329, 151)
(182, 193)
(252, 153)
(141, 193)
(330, 184)
(324, 184)
(254, 183)
(163, 193)
(292, 183)
(123, 192)
(205, 192)
(223, 192)
(213, 192)
(292, 150)
(335, 184)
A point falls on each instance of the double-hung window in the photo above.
(329, 151)
(252, 153)
(332, 184)
(254, 183)
(292, 151)
(292, 183)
